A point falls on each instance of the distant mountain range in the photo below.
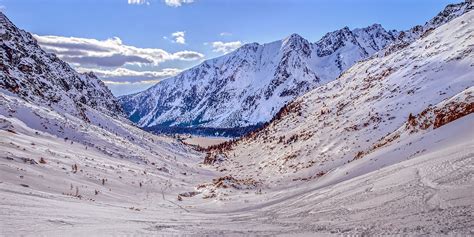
(248, 86)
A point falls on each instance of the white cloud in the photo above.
(127, 76)
(138, 2)
(225, 47)
(225, 34)
(177, 3)
(108, 53)
(179, 37)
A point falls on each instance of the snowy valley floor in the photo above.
(429, 193)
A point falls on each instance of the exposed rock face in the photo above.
(33, 74)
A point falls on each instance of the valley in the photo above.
(382, 143)
(434, 195)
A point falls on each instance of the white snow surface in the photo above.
(61, 174)
(429, 193)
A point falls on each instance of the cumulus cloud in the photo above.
(177, 3)
(126, 76)
(179, 37)
(225, 47)
(108, 53)
(138, 2)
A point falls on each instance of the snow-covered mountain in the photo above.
(33, 74)
(409, 36)
(377, 113)
(249, 85)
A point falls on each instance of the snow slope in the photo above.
(428, 194)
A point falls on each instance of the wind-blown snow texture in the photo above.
(251, 84)
(386, 149)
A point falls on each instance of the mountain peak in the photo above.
(295, 41)
(334, 40)
(375, 26)
(404, 38)
(449, 12)
(249, 46)
(294, 36)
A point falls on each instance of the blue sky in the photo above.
(132, 44)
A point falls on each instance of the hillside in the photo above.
(384, 104)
